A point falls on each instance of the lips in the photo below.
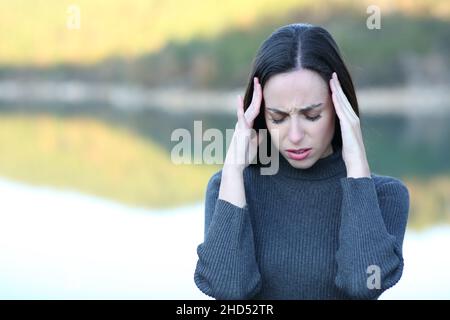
(298, 150)
(298, 154)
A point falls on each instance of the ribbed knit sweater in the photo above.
(304, 234)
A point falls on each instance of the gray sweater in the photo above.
(304, 234)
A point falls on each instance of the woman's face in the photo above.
(290, 127)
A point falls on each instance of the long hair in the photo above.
(300, 46)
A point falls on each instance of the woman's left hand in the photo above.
(353, 151)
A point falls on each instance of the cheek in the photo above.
(327, 127)
(323, 127)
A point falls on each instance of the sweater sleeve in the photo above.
(226, 266)
(373, 222)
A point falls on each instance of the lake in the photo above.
(64, 245)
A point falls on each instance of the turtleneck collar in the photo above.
(324, 168)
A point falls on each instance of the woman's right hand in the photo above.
(244, 143)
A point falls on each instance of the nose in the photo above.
(296, 133)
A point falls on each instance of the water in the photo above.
(64, 245)
(427, 263)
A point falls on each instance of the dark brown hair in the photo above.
(300, 46)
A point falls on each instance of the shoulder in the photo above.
(215, 178)
(390, 187)
(212, 187)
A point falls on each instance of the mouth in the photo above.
(298, 151)
(298, 154)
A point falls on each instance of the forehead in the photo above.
(295, 89)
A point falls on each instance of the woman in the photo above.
(323, 226)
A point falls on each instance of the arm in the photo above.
(226, 267)
(373, 224)
(232, 186)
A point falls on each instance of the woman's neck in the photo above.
(326, 167)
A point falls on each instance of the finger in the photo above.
(336, 101)
(239, 109)
(339, 102)
(240, 112)
(249, 113)
(255, 105)
(337, 92)
(343, 98)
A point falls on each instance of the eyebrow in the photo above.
(302, 110)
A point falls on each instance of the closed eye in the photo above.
(315, 118)
(277, 120)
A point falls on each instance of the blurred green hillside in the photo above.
(406, 50)
(35, 31)
(210, 44)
